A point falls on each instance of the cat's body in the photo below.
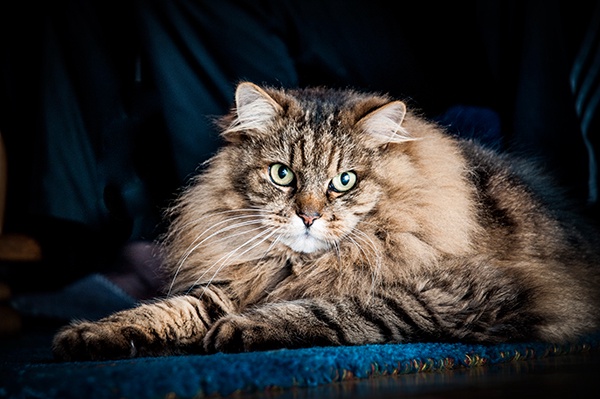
(339, 218)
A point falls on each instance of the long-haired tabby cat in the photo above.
(333, 217)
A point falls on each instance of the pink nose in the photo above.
(309, 217)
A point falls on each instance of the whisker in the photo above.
(223, 264)
(275, 241)
(222, 261)
(239, 233)
(357, 245)
(194, 245)
(257, 212)
(364, 238)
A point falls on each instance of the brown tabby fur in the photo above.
(439, 240)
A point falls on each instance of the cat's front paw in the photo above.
(96, 341)
(236, 333)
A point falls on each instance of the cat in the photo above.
(338, 217)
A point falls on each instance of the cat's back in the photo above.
(465, 198)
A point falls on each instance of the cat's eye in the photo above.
(281, 174)
(343, 182)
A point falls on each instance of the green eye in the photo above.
(343, 182)
(281, 174)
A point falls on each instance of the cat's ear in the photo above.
(384, 125)
(254, 110)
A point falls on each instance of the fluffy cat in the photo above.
(333, 217)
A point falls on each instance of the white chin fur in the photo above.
(303, 240)
(305, 243)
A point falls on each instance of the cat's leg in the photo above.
(433, 311)
(289, 324)
(174, 325)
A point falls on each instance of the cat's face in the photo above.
(307, 166)
(315, 218)
(310, 186)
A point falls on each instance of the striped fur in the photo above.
(437, 240)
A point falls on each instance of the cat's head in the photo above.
(305, 159)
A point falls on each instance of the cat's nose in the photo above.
(309, 217)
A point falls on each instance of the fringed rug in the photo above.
(225, 374)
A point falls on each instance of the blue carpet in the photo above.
(28, 371)
(224, 374)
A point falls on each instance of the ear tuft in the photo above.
(384, 125)
(254, 110)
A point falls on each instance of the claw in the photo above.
(133, 349)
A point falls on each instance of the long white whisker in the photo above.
(196, 244)
(223, 264)
(366, 239)
(257, 212)
(228, 237)
(349, 237)
(222, 261)
(275, 241)
(363, 237)
(239, 233)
